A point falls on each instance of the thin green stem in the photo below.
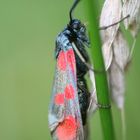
(101, 78)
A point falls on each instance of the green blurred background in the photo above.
(28, 29)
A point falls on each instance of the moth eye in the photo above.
(76, 26)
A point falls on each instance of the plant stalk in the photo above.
(101, 77)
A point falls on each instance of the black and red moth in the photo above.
(70, 95)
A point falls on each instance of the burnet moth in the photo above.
(70, 95)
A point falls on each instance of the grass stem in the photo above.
(101, 78)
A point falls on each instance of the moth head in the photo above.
(78, 29)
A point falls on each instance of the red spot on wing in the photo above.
(67, 129)
(69, 92)
(65, 58)
(71, 59)
(59, 99)
(61, 61)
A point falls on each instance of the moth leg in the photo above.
(107, 106)
(106, 27)
(83, 60)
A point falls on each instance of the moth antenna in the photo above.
(72, 8)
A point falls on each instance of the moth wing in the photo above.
(64, 113)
